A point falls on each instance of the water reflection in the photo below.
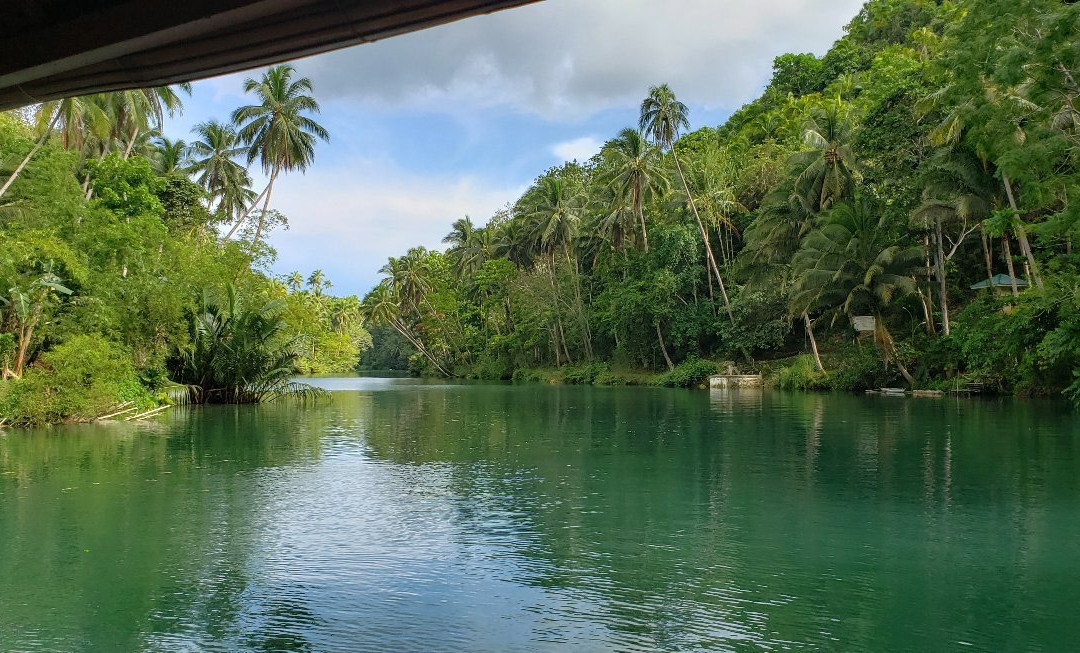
(412, 515)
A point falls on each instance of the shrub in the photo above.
(802, 374)
(689, 373)
(585, 374)
(610, 378)
(80, 379)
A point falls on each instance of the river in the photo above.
(420, 516)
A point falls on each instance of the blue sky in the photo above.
(459, 119)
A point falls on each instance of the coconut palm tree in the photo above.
(635, 176)
(825, 174)
(662, 118)
(554, 214)
(77, 118)
(958, 192)
(171, 156)
(279, 130)
(295, 282)
(318, 283)
(225, 180)
(383, 306)
(139, 110)
(850, 264)
(469, 246)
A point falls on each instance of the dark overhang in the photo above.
(59, 48)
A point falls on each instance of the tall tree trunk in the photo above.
(640, 210)
(131, 143)
(586, 333)
(813, 341)
(555, 342)
(939, 253)
(33, 150)
(558, 312)
(644, 230)
(927, 298)
(262, 215)
(240, 220)
(419, 346)
(1021, 234)
(663, 347)
(987, 256)
(704, 236)
(1009, 264)
(888, 349)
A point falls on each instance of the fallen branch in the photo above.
(125, 407)
(148, 413)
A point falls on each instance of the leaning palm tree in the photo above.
(851, 264)
(78, 119)
(279, 130)
(662, 117)
(635, 176)
(383, 306)
(958, 192)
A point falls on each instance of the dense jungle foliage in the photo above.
(118, 289)
(933, 148)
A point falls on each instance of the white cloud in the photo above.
(348, 219)
(580, 149)
(567, 59)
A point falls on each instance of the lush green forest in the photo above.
(933, 147)
(833, 233)
(133, 267)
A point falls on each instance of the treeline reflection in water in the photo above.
(409, 515)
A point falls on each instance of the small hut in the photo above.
(1002, 283)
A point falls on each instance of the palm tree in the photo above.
(662, 116)
(958, 190)
(171, 156)
(712, 181)
(825, 171)
(383, 306)
(554, 211)
(851, 264)
(318, 282)
(77, 118)
(239, 354)
(295, 282)
(635, 176)
(215, 152)
(140, 110)
(469, 246)
(278, 130)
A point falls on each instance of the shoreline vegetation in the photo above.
(133, 268)
(899, 212)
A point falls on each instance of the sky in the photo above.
(459, 119)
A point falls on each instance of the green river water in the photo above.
(418, 516)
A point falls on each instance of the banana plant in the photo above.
(27, 306)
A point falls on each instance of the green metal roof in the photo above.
(1000, 281)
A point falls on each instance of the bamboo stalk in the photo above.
(148, 413)
(125, 407)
